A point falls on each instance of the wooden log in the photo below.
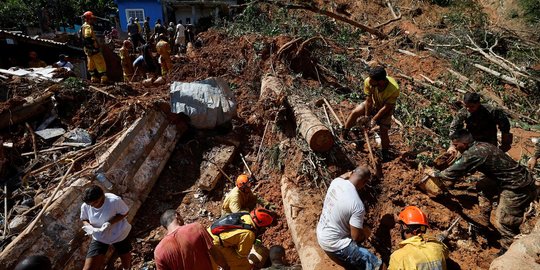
(318, 137)
(271, 87)
(497, 74)
(25, 111)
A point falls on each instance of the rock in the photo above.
(18, 224)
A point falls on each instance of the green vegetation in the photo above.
(531, 10)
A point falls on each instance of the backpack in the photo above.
(228, 223)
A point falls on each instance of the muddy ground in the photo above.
(242, 61)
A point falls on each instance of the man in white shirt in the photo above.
(104, 217)
(180, 39)
(341, 225)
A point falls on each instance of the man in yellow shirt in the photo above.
(240, 198)
(126, 60)
(236, 244)
(381, 92)
(418, 250)
(96, 63)
(163, 48)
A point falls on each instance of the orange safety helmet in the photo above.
(242, 181)
(412, 215)
(88, 15)
(262, 217)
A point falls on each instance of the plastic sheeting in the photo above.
(208, 103)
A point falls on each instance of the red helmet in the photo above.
(262, 217)
(88, 15)
(412, 215)
(242, 181)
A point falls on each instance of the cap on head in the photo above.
(262, 217)
(412, 215)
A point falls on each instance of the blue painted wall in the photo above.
(152, 9)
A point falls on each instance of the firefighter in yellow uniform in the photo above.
(96, 62)
(236, 244)
(240, 198)
(164, 50)
(418, 250)
(127, 62)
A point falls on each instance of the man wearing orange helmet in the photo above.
(341, 226)
(126, 60)
(236, 244)
(240, 198)
(418, 250)
(96, 63)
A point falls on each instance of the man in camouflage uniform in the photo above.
(482, 120)
(532, 161)
(503, 176)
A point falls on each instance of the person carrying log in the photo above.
(240, 198)
(341, 226)
(503, 176)
(234, 235)
(482, 121)
(186, 246)
(382, 92)
(417, 250)
(104, 218)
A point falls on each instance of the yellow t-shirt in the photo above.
(163, 48)
(419, 252)
(388, 95)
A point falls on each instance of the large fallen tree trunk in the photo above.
(317, 135)
(302, 232)
(132, 165)
(25, 111)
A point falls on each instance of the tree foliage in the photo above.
(49, 14)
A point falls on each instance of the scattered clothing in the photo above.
(419, 252)
(187, 248)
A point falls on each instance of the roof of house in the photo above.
(35, 40)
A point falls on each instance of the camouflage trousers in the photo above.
(511, 207)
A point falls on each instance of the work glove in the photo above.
(89, 229)
(104, 226)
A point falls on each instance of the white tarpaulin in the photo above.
(208, 103)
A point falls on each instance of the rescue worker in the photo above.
(382, 92)
(133, 29)
(503, 176)
(240, 198)
(532, 161)
(96, 63)
(34, 61)
(158, 28)
(236, 244)
(163, 48)
(126, 60)
(186, 246)
(482, 120)
(146, 28)
(341, 226)
(418, 250)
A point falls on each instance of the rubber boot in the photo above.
(484, 207)
(104, 78)
(94, 78)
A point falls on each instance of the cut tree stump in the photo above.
(317, 135)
